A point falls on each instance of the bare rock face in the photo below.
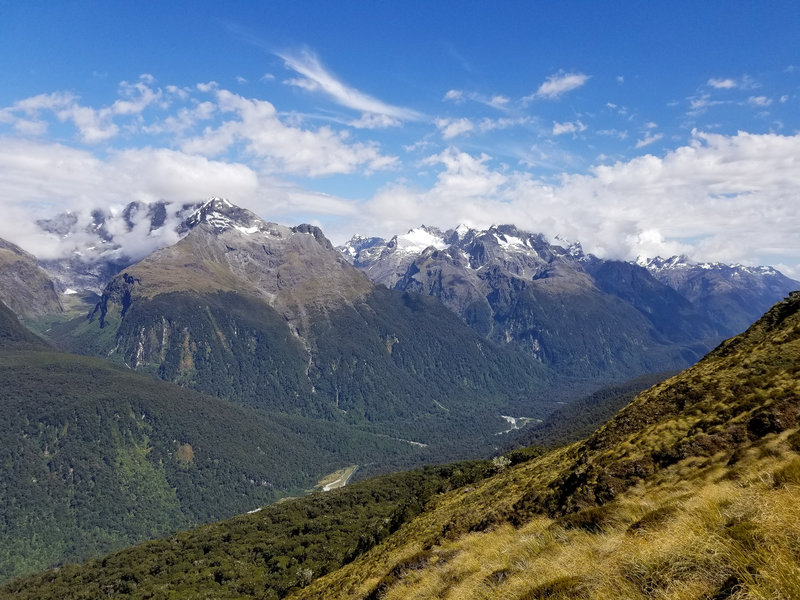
(24, 287)
(228, 248)
(569, 309)
(733, 296)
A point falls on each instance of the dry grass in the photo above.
(726, 539)
(696, 531)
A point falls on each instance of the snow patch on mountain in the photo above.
(418, 239)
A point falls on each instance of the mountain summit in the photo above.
(220, 214)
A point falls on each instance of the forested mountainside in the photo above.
(569, 309)
(688, 492)
(95, 457)
(274, 318)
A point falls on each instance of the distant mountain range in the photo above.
(96, 246)
(572, 310)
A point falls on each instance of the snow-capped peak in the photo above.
(462, 230)
(419, 238)
(661, 264)
(222, 215)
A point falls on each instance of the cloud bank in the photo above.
(714, 196)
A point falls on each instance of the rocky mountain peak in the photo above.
(222, 215)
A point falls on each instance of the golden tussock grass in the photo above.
(697, 533)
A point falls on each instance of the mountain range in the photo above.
(275, 318)
(569, 309)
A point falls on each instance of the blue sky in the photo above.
(636, 128)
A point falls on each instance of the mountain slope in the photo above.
(692, 464)
(24, 287)
(15, 336)
(570, 310)
(731, 296)
(689, 492)
(275, 318)
(94, 457)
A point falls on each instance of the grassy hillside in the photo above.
(689, 492)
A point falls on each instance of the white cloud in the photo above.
(649, 139)
(759, 101)
(498, 101)
(30, 127)
(728, 198)
(617, 133)
(568, 127)
(282, 147)
(557, 85)
(700, 104)
(451, 128)
(317, 79)
(727, 83)
(487, 124)
(207, 87)
(722, 84)
(373, 121)
(454, 96)
(93, 125)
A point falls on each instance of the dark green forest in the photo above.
(281, 548)
(95, 457)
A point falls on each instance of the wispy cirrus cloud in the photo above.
(649, 139)
(451, 128)
(316, 78)
(558, 84)
(729, 83)
(568, 127)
